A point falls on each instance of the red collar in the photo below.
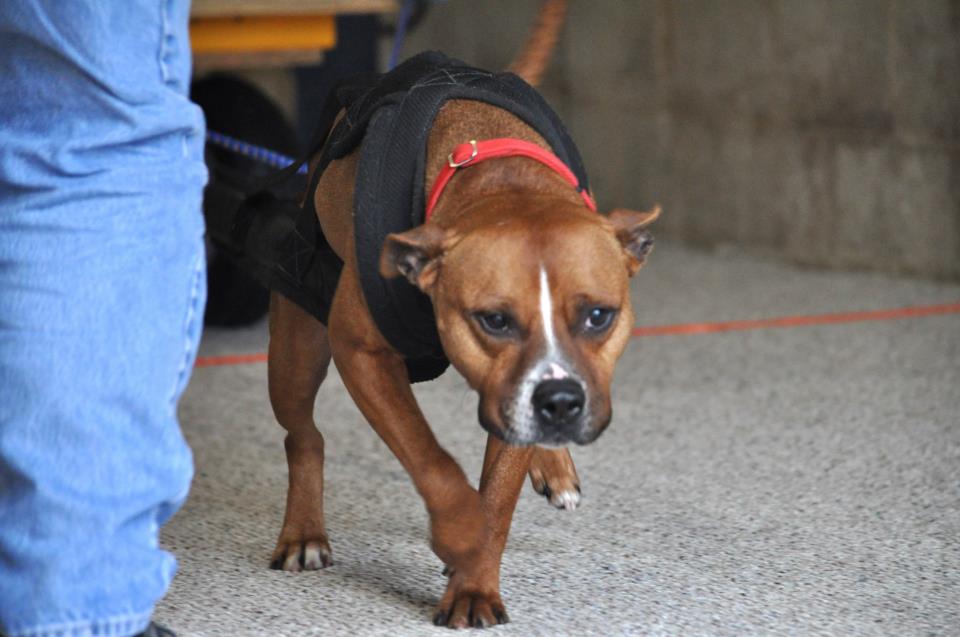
(474, 152)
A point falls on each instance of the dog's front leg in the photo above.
(377, 383)
(472, 597)
(376, 378)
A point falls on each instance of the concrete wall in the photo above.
(823, 131)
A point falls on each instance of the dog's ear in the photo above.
(414, 255)
(630, 227)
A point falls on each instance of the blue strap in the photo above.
(265, 155)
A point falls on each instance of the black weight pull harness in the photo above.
(389, 116)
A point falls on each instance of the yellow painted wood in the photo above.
(262, 33)
(221, 8)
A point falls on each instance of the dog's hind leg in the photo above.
(554, 476)
(299, 356)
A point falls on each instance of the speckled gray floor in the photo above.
(776, 482)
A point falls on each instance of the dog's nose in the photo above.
(558, 402)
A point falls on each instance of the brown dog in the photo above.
(531, 296)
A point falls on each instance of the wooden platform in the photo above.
(232, 34)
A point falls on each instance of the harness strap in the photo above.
(474, 152)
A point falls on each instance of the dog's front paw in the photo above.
(554, 476)
(306, 555)
(462, 607)
(567, 499)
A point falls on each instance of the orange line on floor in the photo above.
(798, 321)
(704, 328)
(239, 359)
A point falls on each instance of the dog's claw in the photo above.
(311, 555)
(470, 610)
(567, 500)
(440, 618)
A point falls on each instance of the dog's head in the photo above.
(533, 307)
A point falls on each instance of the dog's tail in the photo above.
(533, 58)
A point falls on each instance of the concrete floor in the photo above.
(797, 481)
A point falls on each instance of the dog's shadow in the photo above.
(387, 580)
(380, 551)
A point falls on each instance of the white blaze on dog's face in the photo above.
(533, 308)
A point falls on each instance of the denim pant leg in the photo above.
(102, 287)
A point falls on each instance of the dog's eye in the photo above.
(495, 323)
(598, 319)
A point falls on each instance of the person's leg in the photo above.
(101, 300)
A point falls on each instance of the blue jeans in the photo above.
(102, 288)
